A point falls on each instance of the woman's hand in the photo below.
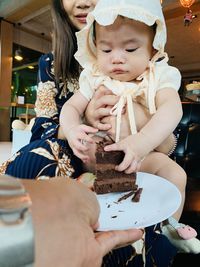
(99, 107)
(124, 126)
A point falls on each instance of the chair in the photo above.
(27, 116)
(187, 154)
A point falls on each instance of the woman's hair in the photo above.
(64, 44)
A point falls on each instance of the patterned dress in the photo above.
(47, 156)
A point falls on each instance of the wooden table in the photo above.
(14, 107)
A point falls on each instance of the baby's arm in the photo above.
(166, 118)
(73, 130)
(153, 133)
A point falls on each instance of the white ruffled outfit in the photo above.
(159, 75)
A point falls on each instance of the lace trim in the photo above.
(174, 147)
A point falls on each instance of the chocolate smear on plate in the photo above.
(125, 196)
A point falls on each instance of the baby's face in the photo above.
(124, 48)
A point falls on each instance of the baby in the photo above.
(122, 48)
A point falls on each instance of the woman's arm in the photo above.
(45, 105)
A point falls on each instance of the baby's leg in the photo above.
(161, 165)
(181, 236)
(168, 145)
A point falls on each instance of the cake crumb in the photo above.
(125, 196)
(136, 197)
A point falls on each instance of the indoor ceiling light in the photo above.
(18, 54)
(31, 67)
(187, 3)
(188, 18)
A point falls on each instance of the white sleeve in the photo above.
(169, 77)
(86, 83)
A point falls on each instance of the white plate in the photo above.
(159, 200)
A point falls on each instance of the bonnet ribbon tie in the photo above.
(127, 97)
(151, 82)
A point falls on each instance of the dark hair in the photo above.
(64, 44)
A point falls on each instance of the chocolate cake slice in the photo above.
(107, 179)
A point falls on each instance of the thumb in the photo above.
(102, 90)
(89, 129)
(113, 147)
(111, 239)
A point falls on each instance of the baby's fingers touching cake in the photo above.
(107, 178)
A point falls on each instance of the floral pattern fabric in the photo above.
(45, 103)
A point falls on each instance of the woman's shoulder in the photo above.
(46, 70)
(46, 59)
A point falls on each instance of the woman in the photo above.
(48, 153)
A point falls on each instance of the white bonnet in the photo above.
(105, 13)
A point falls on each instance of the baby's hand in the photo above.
(78, 139)
(134, 147)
